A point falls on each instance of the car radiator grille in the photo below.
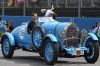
(71, 39)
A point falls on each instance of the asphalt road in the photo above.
(22, 58)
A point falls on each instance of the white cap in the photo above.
(43, 10)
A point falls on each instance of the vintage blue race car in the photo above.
(51, 39)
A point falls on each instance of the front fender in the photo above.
(10, 37)
(93, 36)
(52, 37)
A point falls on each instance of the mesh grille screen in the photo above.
(71, 36)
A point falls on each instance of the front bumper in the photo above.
(75, 51)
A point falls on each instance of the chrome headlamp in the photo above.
(62, 34)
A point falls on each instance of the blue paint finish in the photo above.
(72, 50)
(49, 27)
(16, 33)
(52, 31)
(11, 38)
(90, 35)
(27, 36)
(60, 27)
(25, 45)
(52, 37)
(93, 36)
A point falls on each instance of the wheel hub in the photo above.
(49, 52)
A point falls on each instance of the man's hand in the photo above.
(52, 8)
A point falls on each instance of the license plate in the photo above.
(79, 53)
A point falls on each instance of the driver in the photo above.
(32, 23)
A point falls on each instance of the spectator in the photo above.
(34, 3)
(20, 3)
(96, 27)
(32, 23)
(10, 3)
(97, 31)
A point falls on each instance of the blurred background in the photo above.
(68, 8)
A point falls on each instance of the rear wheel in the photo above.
(7, 49)
(92, 54)
(50, 52)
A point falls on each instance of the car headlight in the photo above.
(62, 34)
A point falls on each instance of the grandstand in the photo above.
(68, 8)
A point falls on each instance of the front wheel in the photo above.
(50, 52)
(37, 37)
(92, 54)
(7, 49)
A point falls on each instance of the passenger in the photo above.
(32, 23)
(9, 26)
(49, 12)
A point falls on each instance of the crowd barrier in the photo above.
(82, 23)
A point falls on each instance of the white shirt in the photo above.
(48, 13)
(95, 29)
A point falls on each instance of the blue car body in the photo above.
(56, 31)
(52, 30)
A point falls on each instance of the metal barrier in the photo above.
(24, 4)
(83, 23)
(48, 3)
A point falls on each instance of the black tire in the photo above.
(10, 51)
(55, 52)
(91, 56)
(42, 33)
(41, 54)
